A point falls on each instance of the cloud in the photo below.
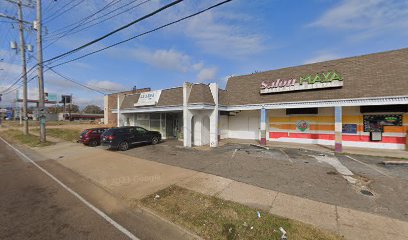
(218, 37)
(321, 57)
(106, 86)
(206, 74)
(10, 69)
(368, 18)
(168, 59)
(84, 101)
(164, 58)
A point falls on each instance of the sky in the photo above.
(239, 37)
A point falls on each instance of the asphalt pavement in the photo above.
(35, 206)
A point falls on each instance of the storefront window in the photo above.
(143, 120)
(155, 121)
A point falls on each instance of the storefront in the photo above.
(358, 101)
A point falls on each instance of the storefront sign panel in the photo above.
(350, 128)
(376, 123)
(328, 79)
(148, 98)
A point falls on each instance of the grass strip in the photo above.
(70, 135)
(17, 136)
(213, 218)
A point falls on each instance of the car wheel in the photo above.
(93, 143)
(123, 146)
(155, 140)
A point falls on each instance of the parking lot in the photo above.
(353, 181)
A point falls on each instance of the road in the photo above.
(34, 206)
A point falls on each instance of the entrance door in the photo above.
(170, 125)
(253, 127)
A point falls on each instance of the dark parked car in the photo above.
(122, 138)
(92, 136)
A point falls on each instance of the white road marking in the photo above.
(233, 154)
(368, 165)
(287, 156)
(343, 170)
(99, 212)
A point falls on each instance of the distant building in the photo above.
(79, 117)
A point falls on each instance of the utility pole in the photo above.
(41, 104)
(21, 23)
(24, 65)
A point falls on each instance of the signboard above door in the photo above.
(327, 79)
(148, 98)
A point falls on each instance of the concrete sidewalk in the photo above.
(133, 178)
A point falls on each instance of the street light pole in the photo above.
(24, 65)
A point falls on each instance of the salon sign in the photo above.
(330, 79)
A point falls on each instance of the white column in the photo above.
(105, 109)
(214, 117)
(338, 129)
(263, 127)
(187, 115)
(118, 108)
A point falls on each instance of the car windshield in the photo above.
(108, 132)
(84, 132)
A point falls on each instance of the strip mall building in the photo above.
(359, 102)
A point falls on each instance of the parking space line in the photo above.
(368, 165)
(95, 209)
(287, 156)
(233, 154)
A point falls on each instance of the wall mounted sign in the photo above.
(148, 98)
(328, 79)
(376, 123)
(302, 125)
(350, 128)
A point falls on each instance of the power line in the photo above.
(75, 30)
(115, 31)
(57, 14)
(71, 80)
(139, 35)
(85, 19)
(145, 33)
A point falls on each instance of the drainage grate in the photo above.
(367, 193)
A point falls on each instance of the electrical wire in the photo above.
(74, 30)
(139, 35)
(57, 14)
(114, 31)
(83, 20)
(144, 33)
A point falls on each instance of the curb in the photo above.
(259, 146)
(187, 232)
(398, 162)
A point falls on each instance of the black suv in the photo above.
(121, 138)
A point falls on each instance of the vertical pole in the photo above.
(214, 116)
(263, 126)
(118, 114)
(24, 66)
(70, 108)
(338, 128)
(21, 115)
(40, 72)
